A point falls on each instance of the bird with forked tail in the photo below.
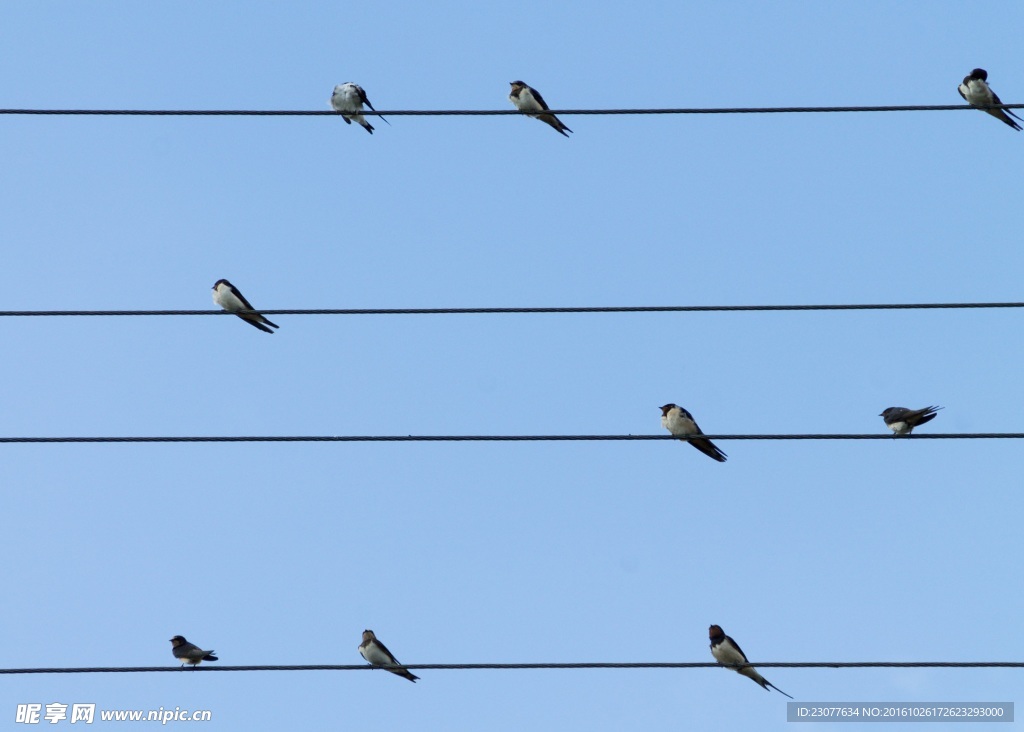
(976, 91)
(727, 652)
(378, 654)
(902, 421)
(680, 423)
(190, 653)
(527, 99)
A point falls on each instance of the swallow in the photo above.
(378, 654)
(976, 91)
(228, 297)
(349, 98)
(189, 652)
(680, 423)
(527, 99)
(727, 652)
(902, 421)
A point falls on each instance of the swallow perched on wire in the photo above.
(902, 421)
(228, 297)
(377, 654)
(727, 652)
(527, 99)
(349, 98)
(189, 652)
(976, 91)
(680, 423)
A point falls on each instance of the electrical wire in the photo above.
(530, 310)
(511, 438)
(499, 112)
(410, 438)
(526, 666)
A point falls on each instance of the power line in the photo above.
(527, 666)
(531, 310)
(497, 112)
(510, 438)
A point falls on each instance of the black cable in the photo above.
(526, 666)
(493, 311)
(498, 112)
(513, 438)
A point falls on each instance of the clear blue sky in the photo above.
(283, 554)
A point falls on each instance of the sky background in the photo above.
(508, 552)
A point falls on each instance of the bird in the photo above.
(680, 423)
(727, 652)
(189, 652)
(527, 99)
(378, 654)
(349, 98)
(976, 91)
(902, 421)
(228, 297)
